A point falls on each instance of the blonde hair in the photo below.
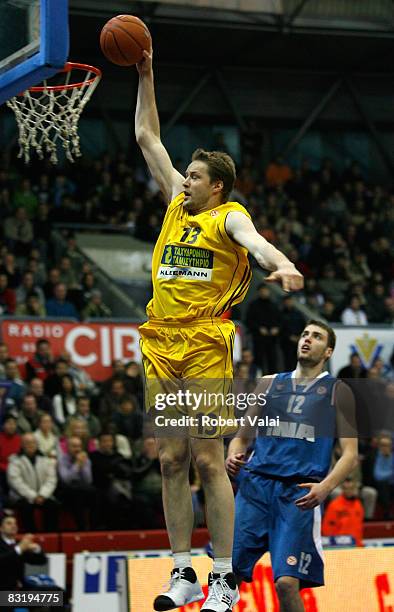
(221, 167)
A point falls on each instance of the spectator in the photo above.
(248, 359)
(128, 419)
(76, 490)
(50, 284)
(68, 276)
(53, 383)
(42, 231)
(47, 440)
(112, 479)
(353, 315)
(376, 308)
(293, 323)
(7, 297)
(10, 444)
(111, 401)
(263, 320)
(74, 255)
(95, 308)
(83, 383)
(355, 369)
(329, 312)
(44, 404)
(15, 554)
(133, 381)
(18, 387)
(367, 494)
(277, 173)
(147, 485)
(11, 270)
(65, 402)
(83, 413)
(32, 482)
(389, 305)
(4, 355)
(345, 514)
(333, 288)
(32, 307)
(88, 285)
(41, 364)
(27, 288)
(25, 198)
(18, 232)
(77, 427)
(58, 306)
(379, 472)
(122, 443)
(118, 373)
(29, 416)
(38, 269)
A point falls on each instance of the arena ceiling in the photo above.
(296, 40)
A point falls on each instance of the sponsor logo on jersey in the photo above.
(291, 560)
(190, 263)
(287, 429)
(321, 390)
(214, 213)
(186, 273)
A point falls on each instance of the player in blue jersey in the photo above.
(288, 474)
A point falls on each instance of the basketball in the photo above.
(123, 40)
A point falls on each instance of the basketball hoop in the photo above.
(48, 115)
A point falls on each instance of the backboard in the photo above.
(34, 43)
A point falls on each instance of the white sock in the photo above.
(182, 560)
(223, 565)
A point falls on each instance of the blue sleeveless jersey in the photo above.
(301, 446)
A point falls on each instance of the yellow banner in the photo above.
(357, 580)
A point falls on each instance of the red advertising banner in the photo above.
(92, 346)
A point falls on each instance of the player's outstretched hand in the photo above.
(234, 464)
(145, 65)
(317, 494)
(288, 276)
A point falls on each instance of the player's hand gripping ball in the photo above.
(124, 39)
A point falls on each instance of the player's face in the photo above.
(312, 346)
(197, 186)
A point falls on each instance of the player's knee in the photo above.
(286, 587)
(208, 468)
(173, 464)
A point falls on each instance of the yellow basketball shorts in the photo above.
(188, 377)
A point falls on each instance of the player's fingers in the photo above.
(272, 278)
(306, 485)
(301, 501)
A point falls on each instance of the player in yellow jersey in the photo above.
(200, 269)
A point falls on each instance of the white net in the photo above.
(49, 118)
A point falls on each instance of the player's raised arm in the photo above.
(242, 230)
(147, 131)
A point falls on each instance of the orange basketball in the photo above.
(123, 40)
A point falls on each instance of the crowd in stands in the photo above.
(68, 442)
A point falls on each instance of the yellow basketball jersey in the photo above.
(198, 271)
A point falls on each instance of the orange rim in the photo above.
(68, 68)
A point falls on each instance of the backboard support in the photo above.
(46, 49)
